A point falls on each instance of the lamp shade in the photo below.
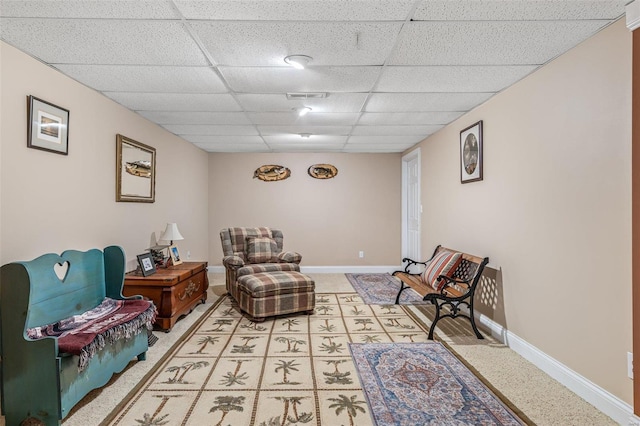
(171, 233)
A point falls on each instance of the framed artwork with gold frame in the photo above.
(135, 171)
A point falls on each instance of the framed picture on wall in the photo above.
(175, 255)
(471, 153)
(48, 126)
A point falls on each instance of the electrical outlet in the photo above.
(361, 254)
(188, 254)
(630, 365)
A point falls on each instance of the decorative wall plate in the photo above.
(322, 171)
(271, 172)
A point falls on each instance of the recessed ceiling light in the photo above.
(298, 61)
(302, 111)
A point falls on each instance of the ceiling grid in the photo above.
(213, 71)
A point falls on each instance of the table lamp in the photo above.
(171, 233)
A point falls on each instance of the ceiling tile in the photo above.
(125, 42)
(311, 119)
(196, 117)
(489, 43)
(408, 118)
(127, 78)
(233, 147)
(394, 71)
(421, 102)
(175, 101)
(385, 140)
(317, 10)
(321, 147)
(431, 10)
(395, 130)
(334, 102)
(206, 129)
(290, 138)
(293, 139)
(296, 130)
(224, 140)
(267, 43)
(122, 9)
(451, 78)
(377, 148)
(285, 79)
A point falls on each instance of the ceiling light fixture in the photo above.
(302, 111)
(298, 61)
(306, 95)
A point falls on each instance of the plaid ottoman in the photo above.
(266, 294)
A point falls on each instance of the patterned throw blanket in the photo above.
(86, 334)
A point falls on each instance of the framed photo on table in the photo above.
(147, 265)
(175, 255)
(471, 153)
(48, 126)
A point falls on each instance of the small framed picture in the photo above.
(175, 255)
(471, 153)
(147, 265)
(48, 126)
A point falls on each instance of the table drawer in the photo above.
(188, 290)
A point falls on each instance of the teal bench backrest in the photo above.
(90, 276)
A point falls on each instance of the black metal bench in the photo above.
(458, 289)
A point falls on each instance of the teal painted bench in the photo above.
(38, 382)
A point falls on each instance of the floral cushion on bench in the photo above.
(84, 335)
(443, 263)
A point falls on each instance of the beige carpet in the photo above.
(542, 399)
(294, 369)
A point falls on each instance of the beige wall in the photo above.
(51, 202)
(553, 212)
(328, 221)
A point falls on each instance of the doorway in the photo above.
(411, 205)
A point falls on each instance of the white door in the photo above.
(412, 206)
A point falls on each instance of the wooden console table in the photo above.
(175, 290)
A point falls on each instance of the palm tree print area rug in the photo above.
(293, 370)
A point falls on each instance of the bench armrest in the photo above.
(450, 281)
(410, 263)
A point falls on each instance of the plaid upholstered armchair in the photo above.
(253, 250)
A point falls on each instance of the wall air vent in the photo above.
(312, 95)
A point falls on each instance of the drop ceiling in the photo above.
(390, 72)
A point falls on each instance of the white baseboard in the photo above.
(331, 269)
(348, 269)
(604, 401)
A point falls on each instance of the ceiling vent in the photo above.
(313, 95)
